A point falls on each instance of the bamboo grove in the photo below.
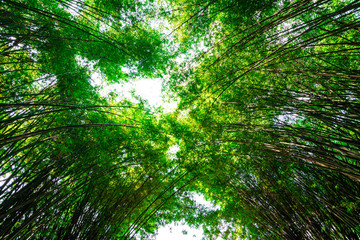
(267, 123)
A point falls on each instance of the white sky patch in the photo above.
(176, 230)
(207, 204)
(95, 74)
(172, 151)
(96, 78)
(179, 231)
(5, 177)
(147, 89)
(162, 25)
(104, 27)
(45, 81)
(73, 8)
(289, 118)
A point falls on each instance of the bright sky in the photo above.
(175, 231)
(147, 89)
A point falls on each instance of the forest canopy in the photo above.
(266, 126)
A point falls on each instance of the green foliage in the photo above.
(267, 125)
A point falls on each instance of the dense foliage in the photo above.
(267, 125)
